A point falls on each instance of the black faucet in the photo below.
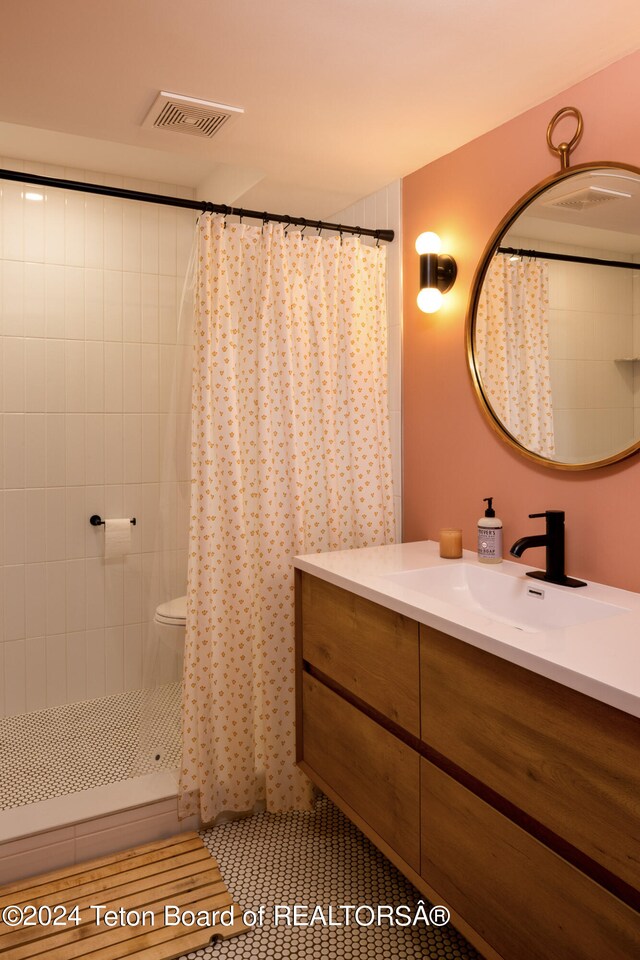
(553, 540)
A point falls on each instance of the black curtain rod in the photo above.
(540, 254)
(204, 206)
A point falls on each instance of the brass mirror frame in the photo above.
(476, 287)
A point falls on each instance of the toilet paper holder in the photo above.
(96, 520)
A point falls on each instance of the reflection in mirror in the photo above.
(556, 333)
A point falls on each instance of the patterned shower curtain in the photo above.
(512, 347)
(290, 455)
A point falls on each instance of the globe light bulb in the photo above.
(428, 243)
(429, 299)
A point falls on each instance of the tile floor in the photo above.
(318, 858)
(66, 749)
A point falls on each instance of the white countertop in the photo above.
(600, 658)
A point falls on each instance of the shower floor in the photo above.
(66, 749)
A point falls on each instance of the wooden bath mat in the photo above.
(178, 874)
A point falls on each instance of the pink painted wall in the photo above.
(452, 458)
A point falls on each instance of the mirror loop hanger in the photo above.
(565, 149)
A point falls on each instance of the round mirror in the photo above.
(553, 330)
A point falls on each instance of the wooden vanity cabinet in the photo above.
(511, 799)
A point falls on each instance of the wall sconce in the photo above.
(437, 272)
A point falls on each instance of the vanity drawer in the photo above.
(519, 896)
(369, 650)
(567, 761)
(371, 770)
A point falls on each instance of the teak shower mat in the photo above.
(169, 880)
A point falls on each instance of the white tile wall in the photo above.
(90, 350)
(591, 327)
(82, 839)
(384, 210)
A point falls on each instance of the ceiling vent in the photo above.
(585, 198)
(199, 118)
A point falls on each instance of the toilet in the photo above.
(171, 619)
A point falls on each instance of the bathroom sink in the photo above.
(507, 597)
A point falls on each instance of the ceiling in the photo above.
(340, 96)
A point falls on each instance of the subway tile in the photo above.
(36, 673)
(94, 304)
(76, 596)
(54, 300)
(125, 818)
(56, 659)
(56, 450)
(76, 657)
(35, 580)
(113, 305)
(13, 446)
(15, 677)
(54, 226)
(148, 514)
(34, 300)
(55, 532)
(94, 536)
(14, 613)
(149, 308)
(132, 656)
(185, 238)
(131, 237)
(94, 377)
(74, 229)
(13, 217)
(55, 375)
(76, 519)
(132, 588)
(114, 448)
(13, 375)
(119, 838)
(113, 234)
(167, 310)
(95, 592)
(114, 501)
(113, 378)
(74, 358)
(113, 592)
(94, 232)
(132, 467)
(131, 307)
(95, 663)
(132, 379)
(150, 368)
(56, 597)
(14, 526)
(167, 241)
(12, 286)
(150, 448)
(35, 526)
(150, 243)
(114, 665)
(51, 857)
(94, 448)
(33, 841)
(74, 449)
(74, 303)
(35, 376)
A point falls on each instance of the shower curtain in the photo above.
(290, 455)
(512, 347)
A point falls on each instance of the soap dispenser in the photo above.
(489, 535)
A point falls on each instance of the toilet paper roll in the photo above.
(117, 537)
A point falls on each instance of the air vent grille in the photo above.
(199, 118)
(585, 199)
